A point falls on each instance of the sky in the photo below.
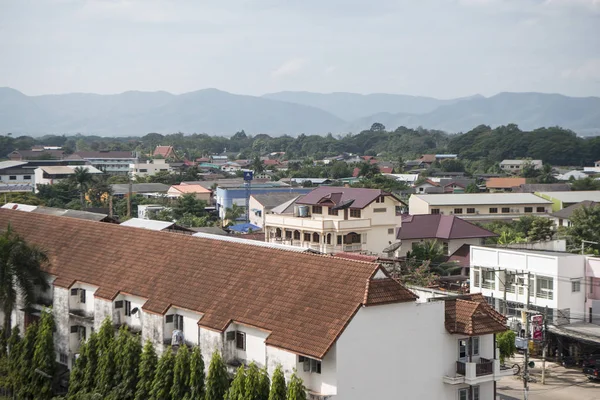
(438, 48)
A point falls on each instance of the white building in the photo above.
(263, 203)
(516, 166)
(555, 279)
(52, 175)
(344, 325)
(149, 168)
(339, 219)
(111, 162)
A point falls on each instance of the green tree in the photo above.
(278, 386)
(146, 372)
(584, 226)
(296, 389)
(189, 204)
(15, 346)
(89, 375)
(452, 165)
(237, 390)
(377, 127)
(44, 357)
(252, 383)
(20, 271)
(163, 379)
(264, 385)
(546, 175)
(472, 188)
(217, 381)
(104, 379)
(77, 376)
(181, 374)
(234, 213)
(83, 178)
(25, 367)
(126, 351)
(196, 374)
(368, 171)
(257, 165)
(506, 344)
(541, 229)
(585, 184)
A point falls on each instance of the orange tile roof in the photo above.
(504, 183)
(190, 189)
(164, 151)
(304, 300)
(471, 315)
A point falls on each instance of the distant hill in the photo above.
(216, 112)
(137, 113)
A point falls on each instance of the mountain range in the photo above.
(217, 112)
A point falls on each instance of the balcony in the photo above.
(79, 315)
(473, 373)
(315, 224)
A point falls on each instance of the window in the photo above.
(143, 170)
(119, 304)
(317, 210)
(315, 237)
(169, 319)
(339, 239)
(306, 237)
(127, 308)
(458, 211)
(380, 199)
(63, 358)
(240, 340)
(278, 233)
(493, 210)
(545, 288)
(505, 210)
(477, 278)
(296, 235)
(575, 286)
(528, 209)
(74, 292)
(80, 331)
(288, 234)
(310, 364)
(488, 279)
(178, 320)
(475, 345)
(475, 392)
(379, 210)
(354, 213)
(540, 209)
(470, 211)
(463, 394)
(435, 210)
(328, 238)
(390, 231)
(331, 211)
(12, 177)
(27, 177)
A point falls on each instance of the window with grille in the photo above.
(540, 209)
(332, 211)
(435, 211)
(458, 211)
(354, 213)
(127, 305)
(63, 358)
(307, 237)
(310, 364)
(528, 209)
(296, 235)
(545, 288)
(575, 286)
(470, 211)
(488, 279)
(493, 210)
(476, 278)
(317, 210)
(288, 234)
(505, 210)
(240, 340)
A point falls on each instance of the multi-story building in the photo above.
(339, 219)
(52, 175)
(341, 324)
(516, 166)
(263, 204)
(149, 168)
(111, 162)
(480, 206)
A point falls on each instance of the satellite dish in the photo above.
(134, 310)
(392, 247)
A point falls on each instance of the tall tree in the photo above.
(181, 374)
(15, 345)
(278, 387)
(237, 390)
(106, 358)
(584, 227)
(24, 386)
(264, 385)
(147, 370)
(163, 379)
(83, 178)
(89, 375)
(233, 213)
(296, 389)
(196, 374)
(21, 266)
(44, 358)
(77, 376)
(217, 381)
(128, 362)
(252, 383)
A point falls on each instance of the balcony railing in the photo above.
(482, 367)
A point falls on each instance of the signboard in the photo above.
(537, 327)
(248, 175)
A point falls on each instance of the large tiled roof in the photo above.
(463, 199)
(303, 300)
(437, 226)
(504, 183)
(105, 154)
(191, 189)
(471, 315)
(340, 195)
(566, 213)
(272, 200)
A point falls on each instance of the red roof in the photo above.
(164, 151)
(471, 315)
(340, 195)
(427, 158)
(462, 256)
(355, 172)
(386, 170)
(271, 162)
(190, 189)
(436, 226)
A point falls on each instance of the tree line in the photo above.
(552, 145)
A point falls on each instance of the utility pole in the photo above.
(545, 349)
(583, 242)
(526, 366)
(129, 199)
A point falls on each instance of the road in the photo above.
(561, 384)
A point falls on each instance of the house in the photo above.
(338, 219)
(563, 217)
(16, 173)
(427, 159)
(120, 190)
(262, 204)
(504, 184)
(574, 174)
(36, 154)
(426, 186)
(409, 179)
(52, 175)
(275, 308)
(479, 206)
(555, 282)
(149, 168)
(198, 191)
(164, 152)
(149, 211)
(592, 305)
(231, 166)
(153, 225)
(541, 187)
(516, 166)
(452, 232)
(562, 200)
(111, 162)
(309, 181)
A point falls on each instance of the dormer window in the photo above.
(380, 199)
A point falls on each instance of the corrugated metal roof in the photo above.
(11, 164)
(236, 239)
(148, 224)
(457, 199)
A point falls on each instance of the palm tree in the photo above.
(83, 178)
(20, 271)
(233, 213)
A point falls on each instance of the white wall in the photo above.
(255, 219)
(190, 324)
(396, 350)
(88, 306)
(255, 345)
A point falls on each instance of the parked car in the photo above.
(592, 371)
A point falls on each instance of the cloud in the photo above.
(589, 70)
(330, 69)
(290, 67)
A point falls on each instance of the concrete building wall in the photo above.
(287, 360)
(152, 329)
(103, 308)
(453, 244)
(60, 309)
(255, 345)
(257, 213)
(210, 341)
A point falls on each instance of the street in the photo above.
(561, 384)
